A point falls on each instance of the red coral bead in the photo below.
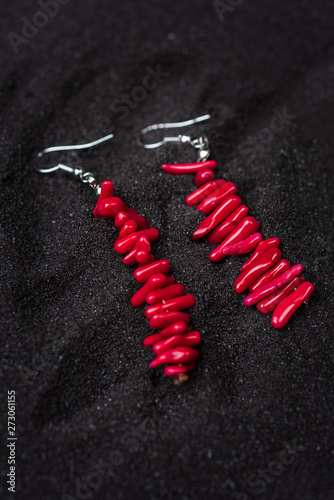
(226, 227)
(264, 263)
(161, 320)
(175, 304)
(129, 227)
(169, 292)
(262, 247)
(142, 257)
(142, 274)
(246, 227)
(130, 258)
(181, 354)
(143, 243)
(216, 217)
(121, 218)
(290, 304)
(173, 370)
(107, 191)
(244, 246)
(174, 329)
(153, 283)
(281, 266)
(201, 193)
(273, 286)
(110, 207)
(269, 303)
(190, 339)
(151, 259)
(216, 198)
(204, 175)
(188, 168)
(124, 245)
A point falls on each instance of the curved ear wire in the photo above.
(201, 144)
(85, 177)
(160, 126)
(75, 146)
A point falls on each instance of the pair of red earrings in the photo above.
(274, 284)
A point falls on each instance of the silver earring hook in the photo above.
(201, 144)
(75, 146)
(85, 177)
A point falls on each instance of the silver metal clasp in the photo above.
(201, 144)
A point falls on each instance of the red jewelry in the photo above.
(167, 300)
(272, 281)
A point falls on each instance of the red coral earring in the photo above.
(174, 345)
(273, 283)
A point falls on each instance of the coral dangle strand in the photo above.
(174, 344)
(273, 283)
